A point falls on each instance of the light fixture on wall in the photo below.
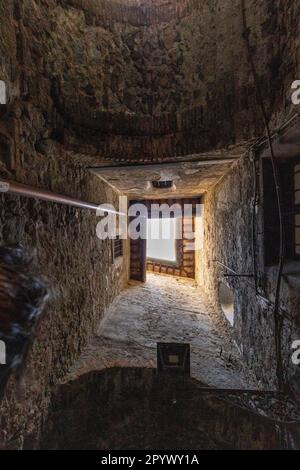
(163, 184)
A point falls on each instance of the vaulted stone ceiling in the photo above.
(140, 81)
(150, 86)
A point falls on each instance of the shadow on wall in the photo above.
(135, 409)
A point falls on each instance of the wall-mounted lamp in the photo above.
(166, 184)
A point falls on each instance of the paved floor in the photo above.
(164, 309)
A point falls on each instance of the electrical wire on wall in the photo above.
(254, 205)
(278, 319)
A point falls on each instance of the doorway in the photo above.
(169, 245)
(162, 238)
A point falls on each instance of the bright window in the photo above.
(161, 239)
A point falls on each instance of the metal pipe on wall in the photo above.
(12, 187)
(233, 273)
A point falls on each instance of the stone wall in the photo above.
(79, 268)
(228, 236)
(82, 277)
(83, 280)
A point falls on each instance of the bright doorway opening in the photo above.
(162, 240)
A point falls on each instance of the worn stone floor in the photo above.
(164, 309)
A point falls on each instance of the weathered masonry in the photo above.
(164, 102)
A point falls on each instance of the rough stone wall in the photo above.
(133, 409)
(83, 280)
(79, 268)
(228, 239)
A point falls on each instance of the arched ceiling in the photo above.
(138, 87)
(146, 80)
